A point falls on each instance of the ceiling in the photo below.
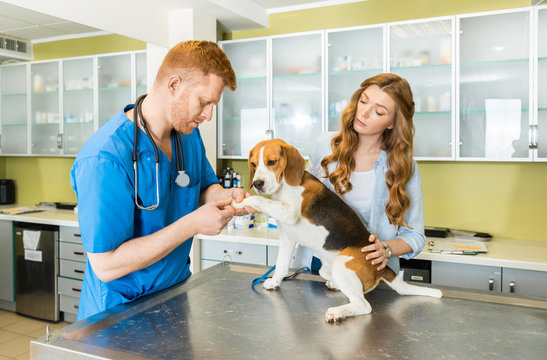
(32, 25)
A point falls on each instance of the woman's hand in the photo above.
(377, 252)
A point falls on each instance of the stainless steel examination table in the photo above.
(216, 314)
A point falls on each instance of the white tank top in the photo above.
(361, 193)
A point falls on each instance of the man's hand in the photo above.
(212, 217)
(238, 194)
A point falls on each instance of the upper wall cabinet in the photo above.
(244, 113)
(51, 108)
(539, 130)
(494, 74)
(297, 89)
(353, 56)
(13, 104)
(421, 53)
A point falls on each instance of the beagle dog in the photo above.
(309, 214)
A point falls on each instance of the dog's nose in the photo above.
(258, 184)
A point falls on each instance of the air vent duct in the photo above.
(14, 48)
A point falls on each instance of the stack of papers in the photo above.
(19, 210)
(456, 246)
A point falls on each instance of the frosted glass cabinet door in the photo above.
(44, 108)
(353, 56)
(494, 86)
(243, 114)
(421, 53)
(542, 84)
(140, 63)
(77, 103)
(114, 85)
(13, 118)
(297, 102)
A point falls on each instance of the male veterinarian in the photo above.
(138, 214)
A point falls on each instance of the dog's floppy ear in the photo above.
(295, 166)
(253, 157)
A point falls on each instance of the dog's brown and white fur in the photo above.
(309, 214)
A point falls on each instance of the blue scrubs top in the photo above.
(104, 181)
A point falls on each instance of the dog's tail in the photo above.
(403, 288)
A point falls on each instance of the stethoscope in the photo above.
(182, 178)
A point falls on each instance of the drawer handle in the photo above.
(490, 284)
(77, 290)
(76, 307)
(234, 252)
(77, 235)
(78, 253)
(78, 271)
(511, 286)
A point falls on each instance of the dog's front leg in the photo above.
(286, 248)
(279, 210)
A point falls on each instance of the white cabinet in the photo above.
(52, 107)
(421, 52)
(214, 252)
(539, 130)
(7, 294)
(495, 68)
(466, 276)
(353, 56)
(72, 261)
(14, 100)
(525, 282)
(244, 113)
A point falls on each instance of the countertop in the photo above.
(518, 254)
(216, 314)
(48, 216)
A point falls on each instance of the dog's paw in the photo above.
(270, 284)
(237, 205)
(331, 285)
(336, 314)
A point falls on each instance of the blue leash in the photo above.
(265, 276)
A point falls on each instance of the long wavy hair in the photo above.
(397, 142)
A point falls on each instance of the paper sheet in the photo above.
(503, 117)
(31, 239)
(453, 246)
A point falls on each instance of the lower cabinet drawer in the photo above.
(68, 304)
(71, 251)
(233, 252)
(72, 269)
(69, 287)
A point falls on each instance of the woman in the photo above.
(369, 164)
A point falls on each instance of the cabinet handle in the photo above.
(78, 253)
(511, 286)
(59, 141)
(77, 235)
(76, 307)
(234, 252)
(490, 284)
(78, 271)
(77, 290)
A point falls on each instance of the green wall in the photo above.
(48, 178)
(508, 200)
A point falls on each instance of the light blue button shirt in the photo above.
(375, 219)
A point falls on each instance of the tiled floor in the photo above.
(17, 331)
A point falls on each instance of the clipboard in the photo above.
(460, 247)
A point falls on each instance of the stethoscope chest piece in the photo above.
(182, 179)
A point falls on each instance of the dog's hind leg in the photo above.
(351, 286)
(404, 288)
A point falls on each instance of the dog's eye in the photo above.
(272, 162)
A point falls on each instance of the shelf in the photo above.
(432, 113)
(45, 92)
(481, 111)
(45, 124)
(14, 125)
(79, 91)
(114, 88)
(256, 78)
(296, 75)
(542, 59)
(15, 94)
(231, 118)
(349, 72)
(542, 109)
(491, 62)
(79, 122)
(423, 67)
